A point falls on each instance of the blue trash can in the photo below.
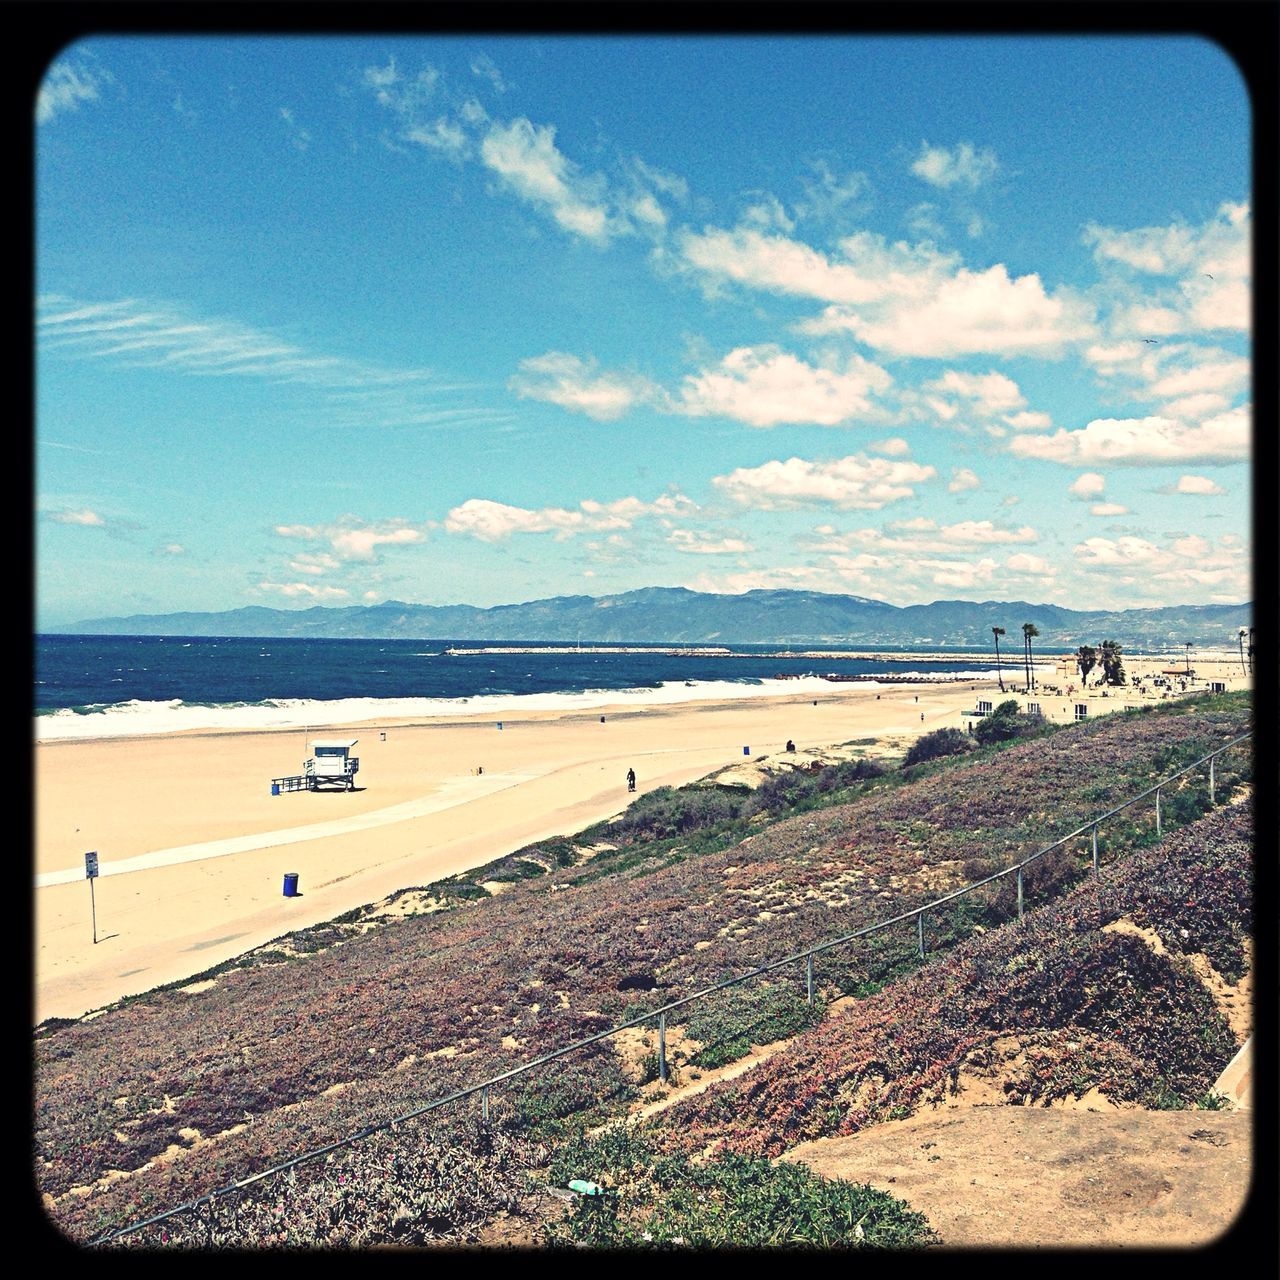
(746, 751)
(275, 788)
(291, 884)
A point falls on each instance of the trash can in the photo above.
(746, 751)
(291, 884)
(275, 788)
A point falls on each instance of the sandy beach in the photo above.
(193, 847)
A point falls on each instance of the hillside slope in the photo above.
(174, 1093)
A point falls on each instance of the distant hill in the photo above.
(674, 615)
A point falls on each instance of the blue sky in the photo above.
(481, 320)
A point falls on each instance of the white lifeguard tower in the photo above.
(332, 764)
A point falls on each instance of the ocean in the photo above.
(108, 686)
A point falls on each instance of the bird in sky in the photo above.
(1210, 277)
(1155, 340)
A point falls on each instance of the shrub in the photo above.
(932, 746)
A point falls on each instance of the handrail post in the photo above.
(1019, 893)
(1212, 761)
(662, 1047)
(920, 932)
(808, 977)
(1095, 848)
(1158, 836)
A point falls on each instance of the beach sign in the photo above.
(91, 874)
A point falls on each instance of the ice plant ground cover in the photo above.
(1068, 1005)
(185, 1091)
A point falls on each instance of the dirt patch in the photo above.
(1234, 1002)
(1033, 1177)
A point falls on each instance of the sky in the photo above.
(334, 321)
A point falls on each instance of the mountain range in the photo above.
(674, 615)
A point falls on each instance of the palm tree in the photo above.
(1251, 651)
(1242, 668)
(1086, 659)
(1029, 630)
(1188, 648)
(997, 632)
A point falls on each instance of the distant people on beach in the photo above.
(791, 746)
(631, 779)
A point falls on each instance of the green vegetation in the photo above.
(941, 742)
(734, 1201)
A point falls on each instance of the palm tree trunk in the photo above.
(1000, 674)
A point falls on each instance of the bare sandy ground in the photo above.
(424, 810)
(193, 848)
(1036, 1178)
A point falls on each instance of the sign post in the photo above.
(91, 874)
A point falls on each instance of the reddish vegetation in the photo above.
(1091, 1009)
(418, 1007)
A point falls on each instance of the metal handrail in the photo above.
(660, 1013)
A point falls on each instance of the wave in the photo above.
(138, 718)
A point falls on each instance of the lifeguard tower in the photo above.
(331, 765)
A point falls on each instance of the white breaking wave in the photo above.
(135, 718)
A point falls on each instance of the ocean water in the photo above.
(105, 686)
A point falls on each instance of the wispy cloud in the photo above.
(305, 589)
(300, 137)
(963, 165)
(68, 83)
(524, 157)
(575, 384)
(162, 337)
(85, 517)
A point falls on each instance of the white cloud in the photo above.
(972, 312)
(525, 157)
(1088, 485)
(1029, 421)
(974, 532)
(1138, 565)
(1034, 566)
(314, 563)
(574, 384)
(66, 85)
(300, 137)
(496, 521)
(962, 574)
(1210, 263)
(1139, 441)
(349, 539)
(483, 66)
(173, 549)
(853, 483)
(85, 517)
(293, 589)
(964, 165)
(702, 544)
(962, 479)
(775, 264)
(1197, 485)
(764, 386)
(987, 393)
(827, 198)
(1108, 509)
(893, 447)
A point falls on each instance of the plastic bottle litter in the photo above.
(584, 1188)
